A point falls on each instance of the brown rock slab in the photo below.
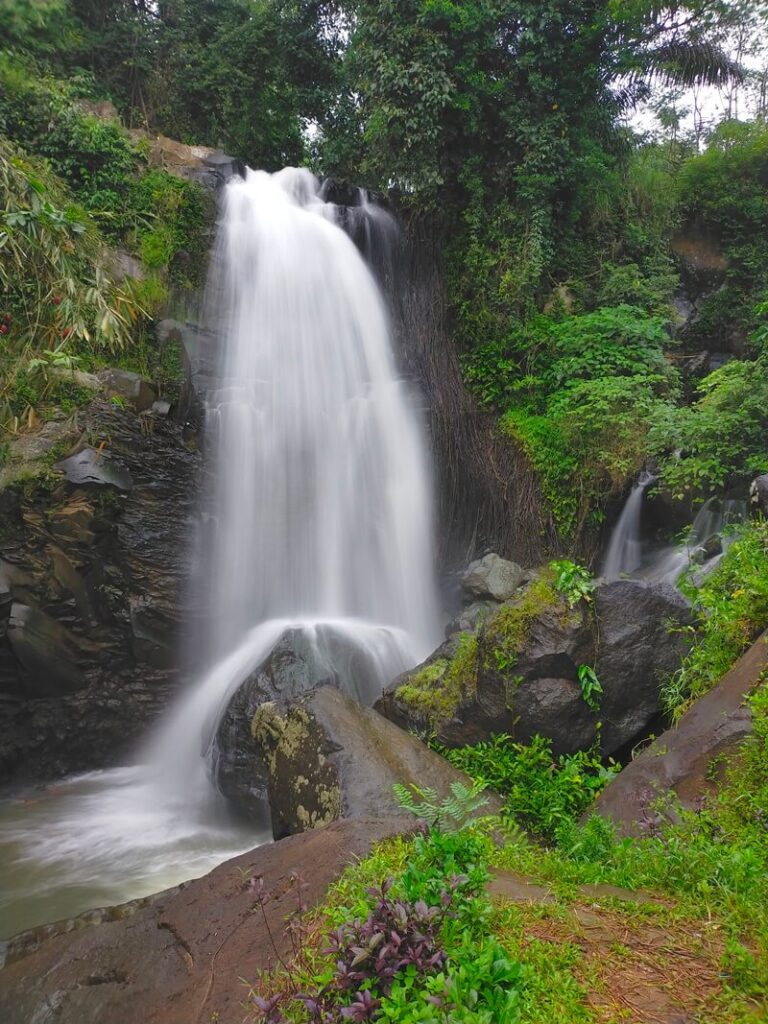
(678, 762)
(182, 958)
(516, 888)
(328, 757)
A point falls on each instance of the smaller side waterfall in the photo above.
(716, 518)
(624, 553)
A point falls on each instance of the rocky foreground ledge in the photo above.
(181, 957)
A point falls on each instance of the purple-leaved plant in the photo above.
(368, 955)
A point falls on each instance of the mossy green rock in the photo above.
(519, 673)
(326, 757)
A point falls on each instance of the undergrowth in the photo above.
(732, 609)
(701, 880)
(540, 791)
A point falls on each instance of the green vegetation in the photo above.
(573, 581)
(73, 185)
(437, 690)
(540, 791)
(498, 124)
(719, 440)
(686, 917)
(732, 607)
(507, 632)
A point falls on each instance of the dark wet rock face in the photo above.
(521, 671)
(93, 558)
(639, 644)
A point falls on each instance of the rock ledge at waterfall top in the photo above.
(518, 672)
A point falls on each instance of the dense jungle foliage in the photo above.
(568, 259)
(606, 280)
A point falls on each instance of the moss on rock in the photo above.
(436, 691)
(509, 630)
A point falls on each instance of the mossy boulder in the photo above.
(293, 667)
(521, 672)
(297, 750)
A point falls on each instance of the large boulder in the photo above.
(678, 764)
(301, 660)
(492, 577)
(522, 672)
(179, 957)
(296, 737)
(326, 757)
(642, 637)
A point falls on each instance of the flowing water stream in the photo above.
(631, 554)
(319, 519)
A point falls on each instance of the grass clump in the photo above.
(508, 631)
(732, 606)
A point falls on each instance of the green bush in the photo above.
(540, 791)
(172, 217)
(724, 192)
(57, 293)
(719, 440)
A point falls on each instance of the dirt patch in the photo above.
(636, 970)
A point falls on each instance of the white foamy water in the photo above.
(320, 519)
(624, 553)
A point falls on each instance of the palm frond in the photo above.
(688, 62)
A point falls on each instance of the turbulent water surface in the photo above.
(319, 519)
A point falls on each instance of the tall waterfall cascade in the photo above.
(322, 488)
(319, 519)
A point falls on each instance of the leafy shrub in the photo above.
(57, 290)
(172, 217)
(632, 285)
(612, 341)
(94, 157)
(573, 581)
(541, 791)
(448, 815)
(719, 440)
(580, 392)
(419, 951)
(723, 191)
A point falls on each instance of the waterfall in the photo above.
(717, 516)
(624, 553)
(322, 504)
(319, 519)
